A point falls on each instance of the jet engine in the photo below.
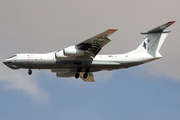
(60, 56)
(72, 51)
(68, 53)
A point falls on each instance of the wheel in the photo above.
(77, 75)
(87, 69)
(30, 72)
(85, 75)
(79, 69)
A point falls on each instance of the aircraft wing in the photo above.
(93, 45)
(90, 77)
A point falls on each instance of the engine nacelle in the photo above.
(72, 51)
(60, 56)
(68, 53)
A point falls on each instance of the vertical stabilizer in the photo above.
(154, 40)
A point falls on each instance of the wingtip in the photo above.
(112, 29)
(171, 21)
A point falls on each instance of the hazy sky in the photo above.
(149, 91)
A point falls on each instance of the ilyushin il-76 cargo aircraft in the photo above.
(82, 59)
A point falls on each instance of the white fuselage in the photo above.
(100, 62)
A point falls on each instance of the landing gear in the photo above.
(29, 71)
(80, 70)
(87, 69)
(77, 75)
(85, 75)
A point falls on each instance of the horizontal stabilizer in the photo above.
(160, 29)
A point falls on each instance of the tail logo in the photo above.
(145, 44)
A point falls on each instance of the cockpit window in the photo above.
(59, 50)
(12, 56)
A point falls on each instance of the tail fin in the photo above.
(154, 40)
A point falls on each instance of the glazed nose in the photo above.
(5, 62)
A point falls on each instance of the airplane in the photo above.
(82, 59)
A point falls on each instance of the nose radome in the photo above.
(4, 62)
